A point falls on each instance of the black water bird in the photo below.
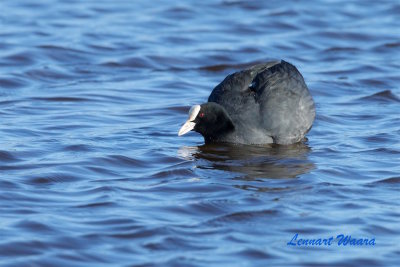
(266, 103)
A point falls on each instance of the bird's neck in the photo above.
(225, 129)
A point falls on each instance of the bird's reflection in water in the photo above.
(252, 162)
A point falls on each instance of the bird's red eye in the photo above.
(201, 115)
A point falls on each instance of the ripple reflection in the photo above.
(252, 162)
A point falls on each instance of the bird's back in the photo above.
(268, 103)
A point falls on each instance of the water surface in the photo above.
(92, 94)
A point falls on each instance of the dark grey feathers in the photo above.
(267, 103)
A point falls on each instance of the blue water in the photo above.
(93, 93)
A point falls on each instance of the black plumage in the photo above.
(266, 103)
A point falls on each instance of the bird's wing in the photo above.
(235, 92)
(286, 107)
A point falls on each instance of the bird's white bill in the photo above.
(187, 127)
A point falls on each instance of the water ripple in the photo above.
(92, 94)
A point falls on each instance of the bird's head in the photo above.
(209, 119)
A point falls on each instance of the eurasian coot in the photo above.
(266, 103)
